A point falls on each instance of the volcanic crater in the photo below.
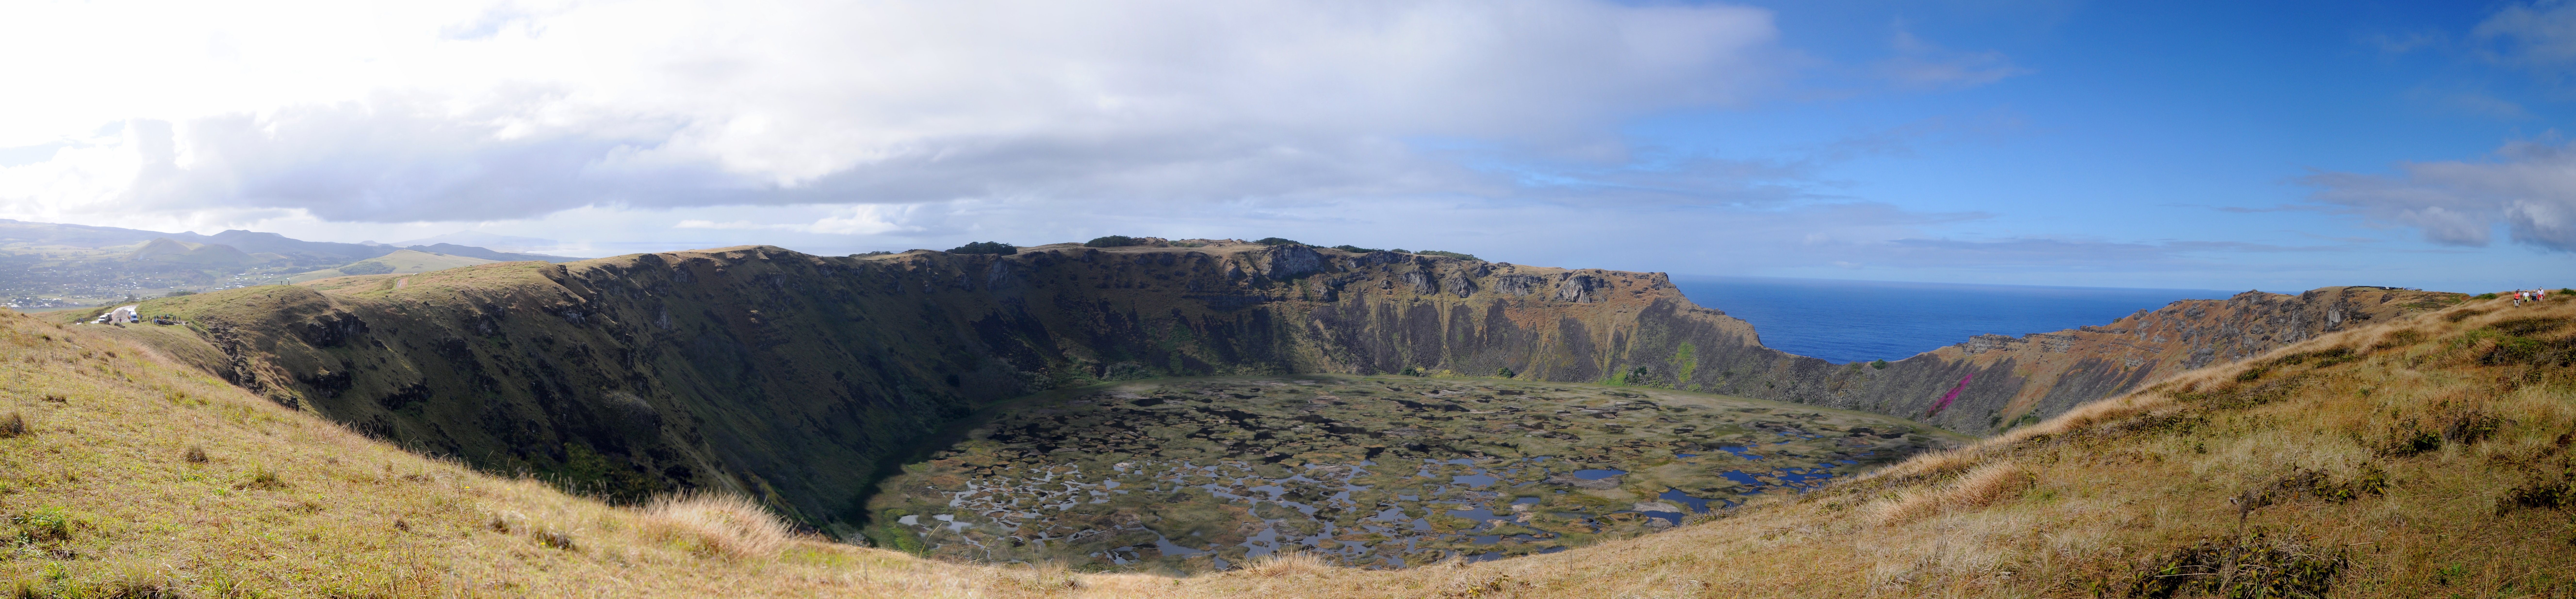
(1196, 474)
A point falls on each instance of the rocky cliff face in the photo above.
(793, 377)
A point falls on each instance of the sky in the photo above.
(2205, 145)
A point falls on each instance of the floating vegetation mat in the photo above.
(1189, 475)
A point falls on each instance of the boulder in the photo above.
(1518, 285)
(1458, 284)
(1292, 261)
(1578, 289)
(1421, 282)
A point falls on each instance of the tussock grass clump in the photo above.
(13, 425)
(2556, 492)
(263, 479)
(716, 524)
(1984, 486)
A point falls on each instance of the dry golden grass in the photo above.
(716, 524)
(2430, 458)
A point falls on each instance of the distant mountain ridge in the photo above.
(499, 243)
(163, 249)
(252, 242)
(70, 264)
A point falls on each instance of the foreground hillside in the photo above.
(2423, 456)
(123, 474)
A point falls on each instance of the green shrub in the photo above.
(1449, 255)
(2487, 296)
(1878, 364)
(366, 268)
(178, 292)
(263, 479)
(2263, 564)
(988, 247)
(1112, 241)
(44, 525)
(1277, 241)
(1505, 372)
(554, 539)
(1353, 249)
(13, 425)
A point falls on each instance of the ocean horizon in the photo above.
(1844, 321)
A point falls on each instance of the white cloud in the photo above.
(871, 219)
(399, 112)
(2530, 188)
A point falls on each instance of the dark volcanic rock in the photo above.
(1292, 261)
(1577, 288)
(1459, 284)
(1518, 285)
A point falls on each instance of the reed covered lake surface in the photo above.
(1200, 474)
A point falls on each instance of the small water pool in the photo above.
(1695, 504)
(1597, 473)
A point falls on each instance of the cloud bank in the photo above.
(2529, 188)
(391, 113)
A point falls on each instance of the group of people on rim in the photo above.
(2531, 295)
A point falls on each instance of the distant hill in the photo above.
(399, 262)
(251, 242)
(163, 249)
(467, 250)
(58, 264)
(498, 243)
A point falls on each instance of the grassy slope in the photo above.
(100, 494)
(102, 497)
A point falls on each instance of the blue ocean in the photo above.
(1858, 321)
